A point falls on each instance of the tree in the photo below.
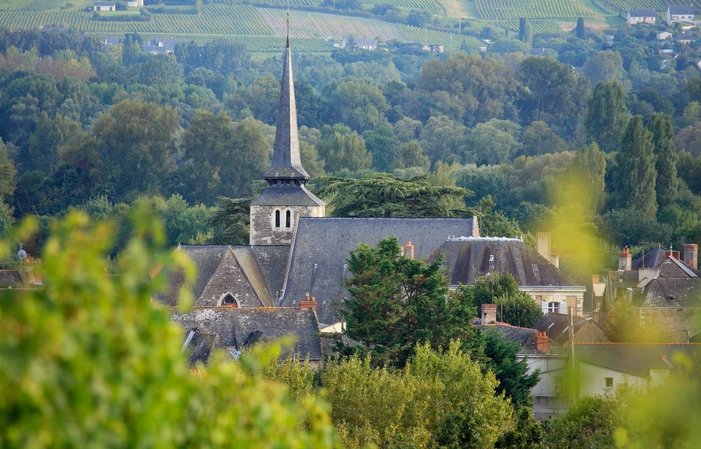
(591, 422)
(605, 66)
(135, 141)
(411, 155)
(342, 149)
(382, 144)
(396, 302)
(538, 139)
(384, 195)
(580, 31)
(442, 399)
(589, 166)
(666, 182)
(552, 93)
(607, 116)
(508, 369)
(635, 175)
(492, 142)
(118, 377)
(359, 104)
(513, 306)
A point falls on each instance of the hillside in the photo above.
(314, 25)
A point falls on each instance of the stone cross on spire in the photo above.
(287, 163)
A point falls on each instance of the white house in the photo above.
(636, 16)
(680, 14)
(664, 35)
(104, 6)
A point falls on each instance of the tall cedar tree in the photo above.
(384, 195)
(667, 183)
(607, 115)
(635, 176)
(508, 369)
(580, 30)
(396, 302)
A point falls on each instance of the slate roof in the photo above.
(671, 292)
(224, 269)
(634, 358)
(557, 325)
(236, 329)
(468, 258)
(525, 337)
(287, 195)
(322, 246)
(642, 13)
(681, 10)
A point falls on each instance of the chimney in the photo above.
(671, 253)
(544, 244)
(542, 342)
(308, 303)
(691, 255)
(625, 260)
(489, 313)
(409, 250)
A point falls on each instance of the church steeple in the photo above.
(287, 163)
(275, 213)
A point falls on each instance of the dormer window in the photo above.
(228, 300)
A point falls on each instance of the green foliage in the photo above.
(591, 422)
(513, 306)
(666, 182)
(396, 302)
(441, 400)
(342, 149)
(607, 117)
(384, 195)
(635, 174)
(509, 371)
(90, 360)
(230, 221)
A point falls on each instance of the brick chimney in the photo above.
(489, 313)
(409, 250)
(691, 255)
(309, 302)
(625, 260)
(542, 342)
(671, 253)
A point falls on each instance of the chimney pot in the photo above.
(309, 302)
(542, 342)
(409, 250)
(625, 260)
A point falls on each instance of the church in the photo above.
(290, 278)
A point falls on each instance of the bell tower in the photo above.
(274, 214)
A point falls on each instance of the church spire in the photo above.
(287, 163)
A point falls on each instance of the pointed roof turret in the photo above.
(287, 163)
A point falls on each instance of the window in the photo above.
(277, 218)
(288, 219)
(554, 307)
(609, 382)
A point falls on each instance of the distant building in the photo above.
(365, 44)
(680, 14)
(664, 35)
(113, 40)
(135, 3)
(104, 6)
(685, 38)
(540, 51)
(435, 48)
(161, 45)
(636, 16)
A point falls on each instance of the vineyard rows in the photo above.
(538, 26)
(320, 26)
(14, 4)
(542, 9)
(216, 19)
(281, 2)
(44, 5)
(450, 41)
(432, 6)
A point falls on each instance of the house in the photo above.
(434, 48)
(161, 45)
(602, 367)
(135, 3)
(104, 6)
(206, 329)
(680, 14)
(662, 289)
(557, 328)
(468, 257)
(664, 35)
(540, 51)
(636, 16)
(685, 38)
(365, 44)
(113, 40)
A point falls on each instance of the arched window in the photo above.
(277, 218)
(288, 219)
(228, 300)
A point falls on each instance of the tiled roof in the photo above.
(469, 258)
(634, 358)
(236, 329)
(322, 246)
(557, 327)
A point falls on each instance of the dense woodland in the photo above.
(613, 151)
